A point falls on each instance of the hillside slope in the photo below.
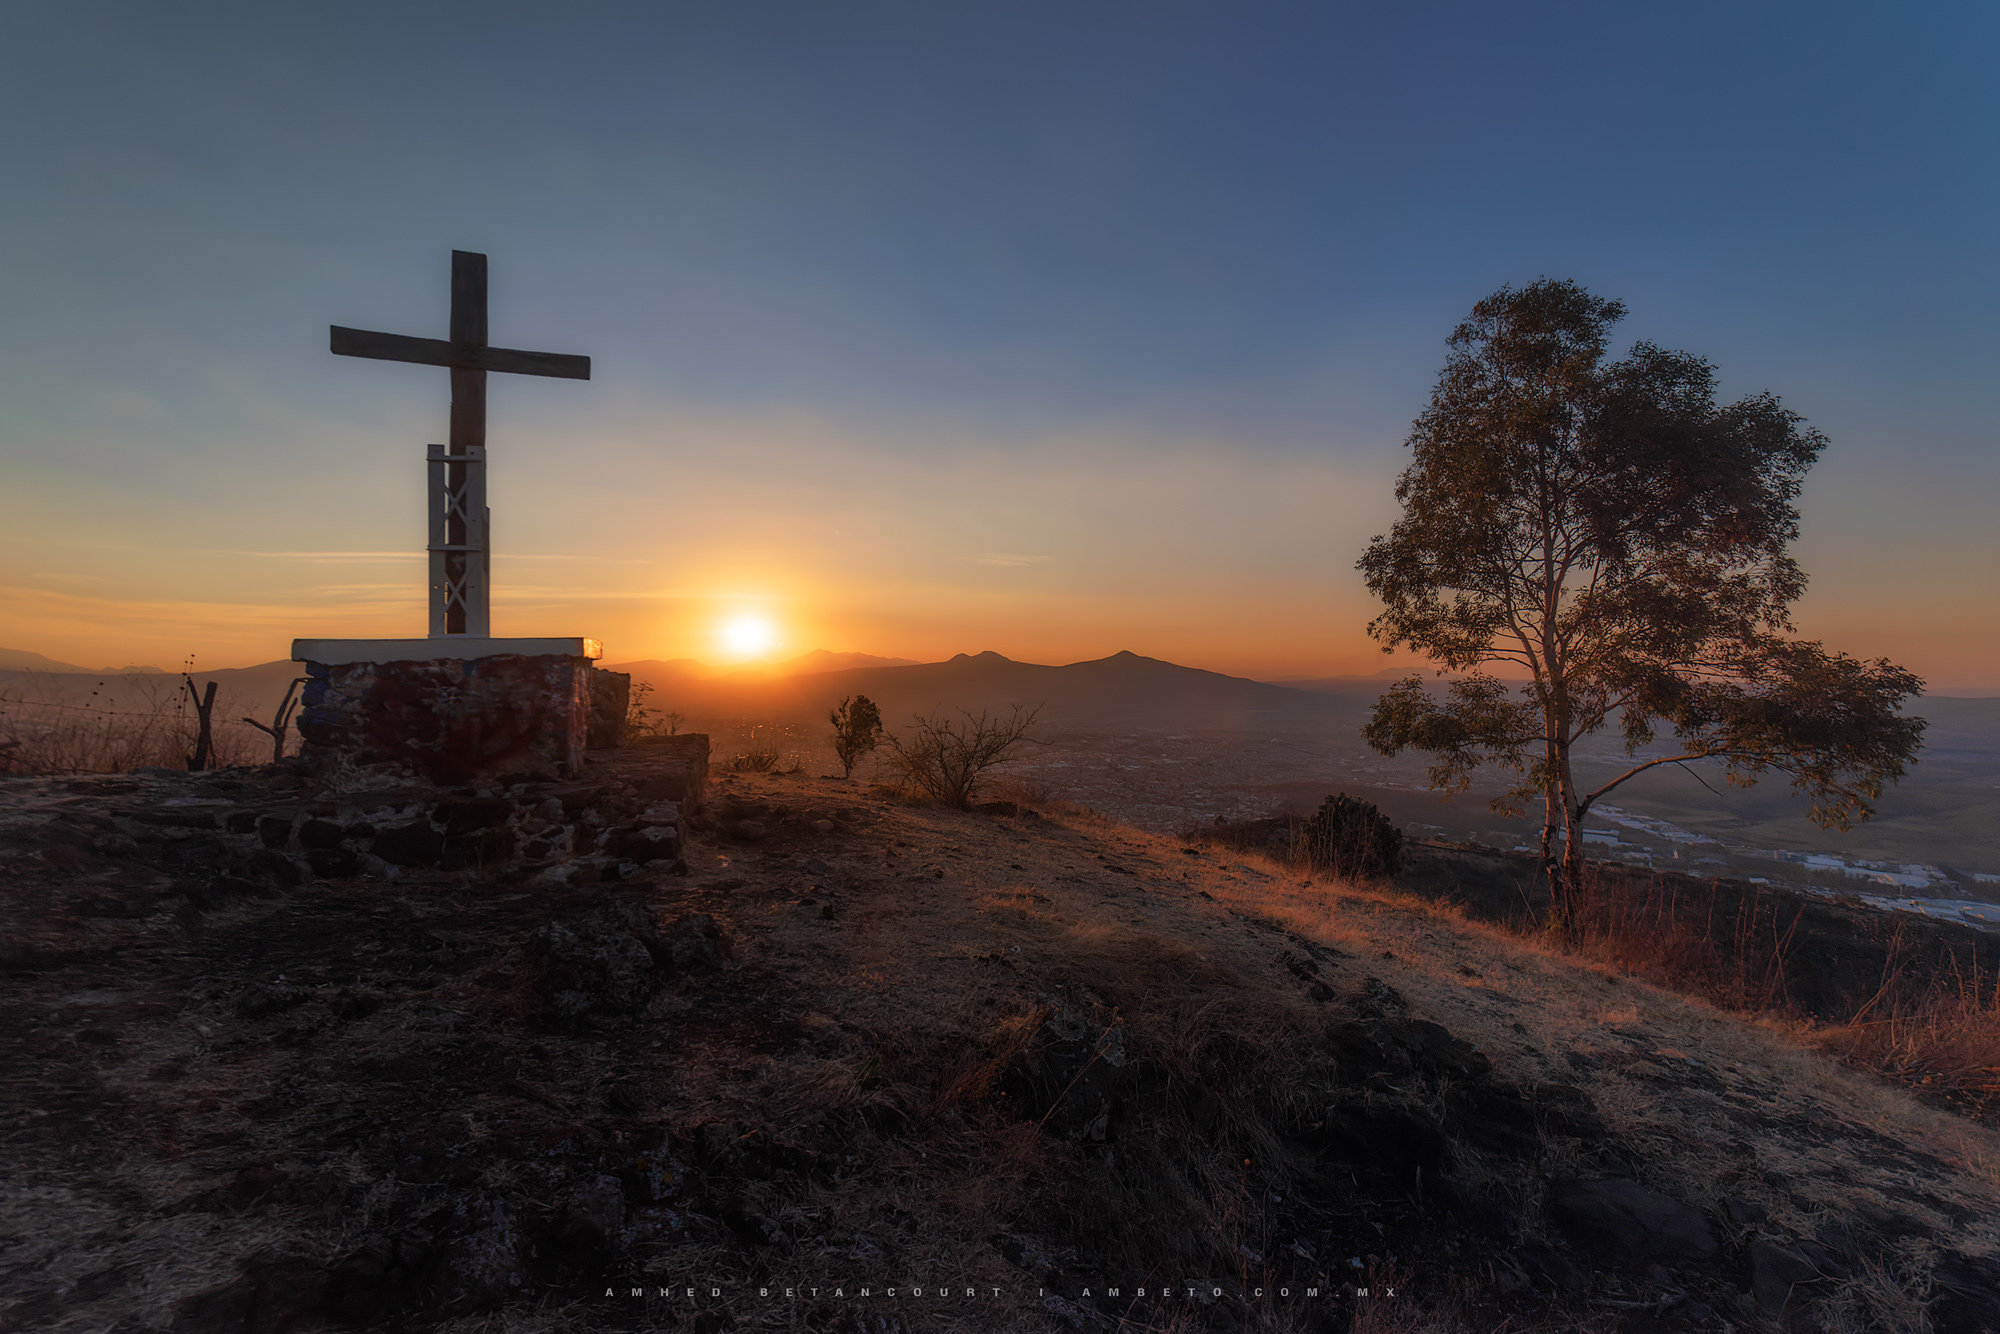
(864, 1057)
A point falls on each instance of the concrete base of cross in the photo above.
(459, 709)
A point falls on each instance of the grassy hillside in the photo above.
(866, 1045)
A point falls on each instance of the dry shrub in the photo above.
(946, 759)
(1350, 838)
(51, 725)
(1944, 1040)
(1931, 1027)
(1666, 933)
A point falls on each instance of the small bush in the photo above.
(642, 719)
(945, 760)
(762, 755)
(857, 729)
(1352, 839)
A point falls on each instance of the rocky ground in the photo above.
(849, 1064)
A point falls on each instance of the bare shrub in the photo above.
(945, 759)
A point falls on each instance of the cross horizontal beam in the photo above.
(458, 356)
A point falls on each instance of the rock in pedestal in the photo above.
(610, 700)
(453, 709)
(677, 768)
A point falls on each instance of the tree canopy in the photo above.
(1609, 531)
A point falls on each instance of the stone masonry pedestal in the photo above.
(453, 710)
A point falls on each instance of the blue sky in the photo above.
(1140, 298)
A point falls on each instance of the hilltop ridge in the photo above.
(861, 1043)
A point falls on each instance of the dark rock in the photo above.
(269, 998)
(1568, 1110)
(1495, 1117)
(1401, 1046)
(602, 962)
(1777, 1274)
(481, 850)
(469, 1256)
(413, 844)
(592, 1214)
(348, 1004)
(748, 831)
(1623, 1222)
(752, 1231)
(1554, 1271)
(275, 867)
(1967, 1294)
(1398, 1146)
(472, 814)
(1743, 1213)
(378, 1279)
(274, 1294)
(644, 843)
(222, 886)
(1377, 998)
(315, 834)
(334, 863)
(696, 941)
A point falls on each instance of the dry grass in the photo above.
(1544, 1012)
(51, 725)
(1931, 1025)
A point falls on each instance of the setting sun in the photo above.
(746, 636)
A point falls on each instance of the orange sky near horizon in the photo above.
(917, 544)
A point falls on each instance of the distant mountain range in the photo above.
(20, 660)
(1123, 690)
(806, 664)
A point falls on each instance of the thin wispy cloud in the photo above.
(1008, 559)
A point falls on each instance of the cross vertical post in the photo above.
(461, 553)
(460, 525)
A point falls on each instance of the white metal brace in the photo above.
(461, 545)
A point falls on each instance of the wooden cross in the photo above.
(461, 527)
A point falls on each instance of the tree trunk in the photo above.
(1566, 886)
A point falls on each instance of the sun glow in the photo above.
(747, 636)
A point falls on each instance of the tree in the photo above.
(857, 729)
(945, 759)
(1614, 534)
